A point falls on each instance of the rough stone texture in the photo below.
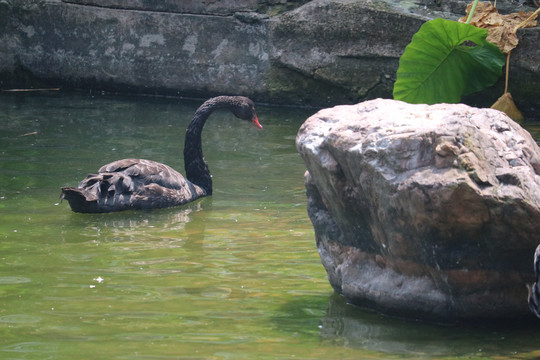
(428, 211)
(316, 52)
(200, 7)
(352, 47)
(219, 7)
(138, 49)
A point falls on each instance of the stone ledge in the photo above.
(315, 53)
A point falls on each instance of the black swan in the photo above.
(534, 291)
(145, 184)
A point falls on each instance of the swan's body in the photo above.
(145, 184)
(534, 291)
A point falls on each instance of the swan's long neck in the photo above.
(196, 168)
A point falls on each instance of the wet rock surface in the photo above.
(424, 211)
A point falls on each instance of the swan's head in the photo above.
(244, 109)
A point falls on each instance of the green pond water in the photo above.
(232, 276)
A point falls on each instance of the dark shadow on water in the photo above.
(344, 325)
(350, 326)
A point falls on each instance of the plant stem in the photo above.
(535, 14)
(507, 71)
(471, 13)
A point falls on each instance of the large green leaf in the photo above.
(446, 60)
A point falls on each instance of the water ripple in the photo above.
(6, 280)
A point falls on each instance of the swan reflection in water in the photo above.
(161, 228)
(135, 222)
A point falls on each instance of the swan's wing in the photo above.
(131, 184)
(146, 172)
(116, 191)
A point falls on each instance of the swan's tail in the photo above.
(78, 201)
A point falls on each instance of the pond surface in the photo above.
(232, 276)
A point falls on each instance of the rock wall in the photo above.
(140, 51)
(316, 53)
(424, 211)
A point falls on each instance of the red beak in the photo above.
(256, 123)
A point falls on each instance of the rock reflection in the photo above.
(349, 326)
(353, 327)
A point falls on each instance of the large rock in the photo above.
(425, 211)
(316, 52)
